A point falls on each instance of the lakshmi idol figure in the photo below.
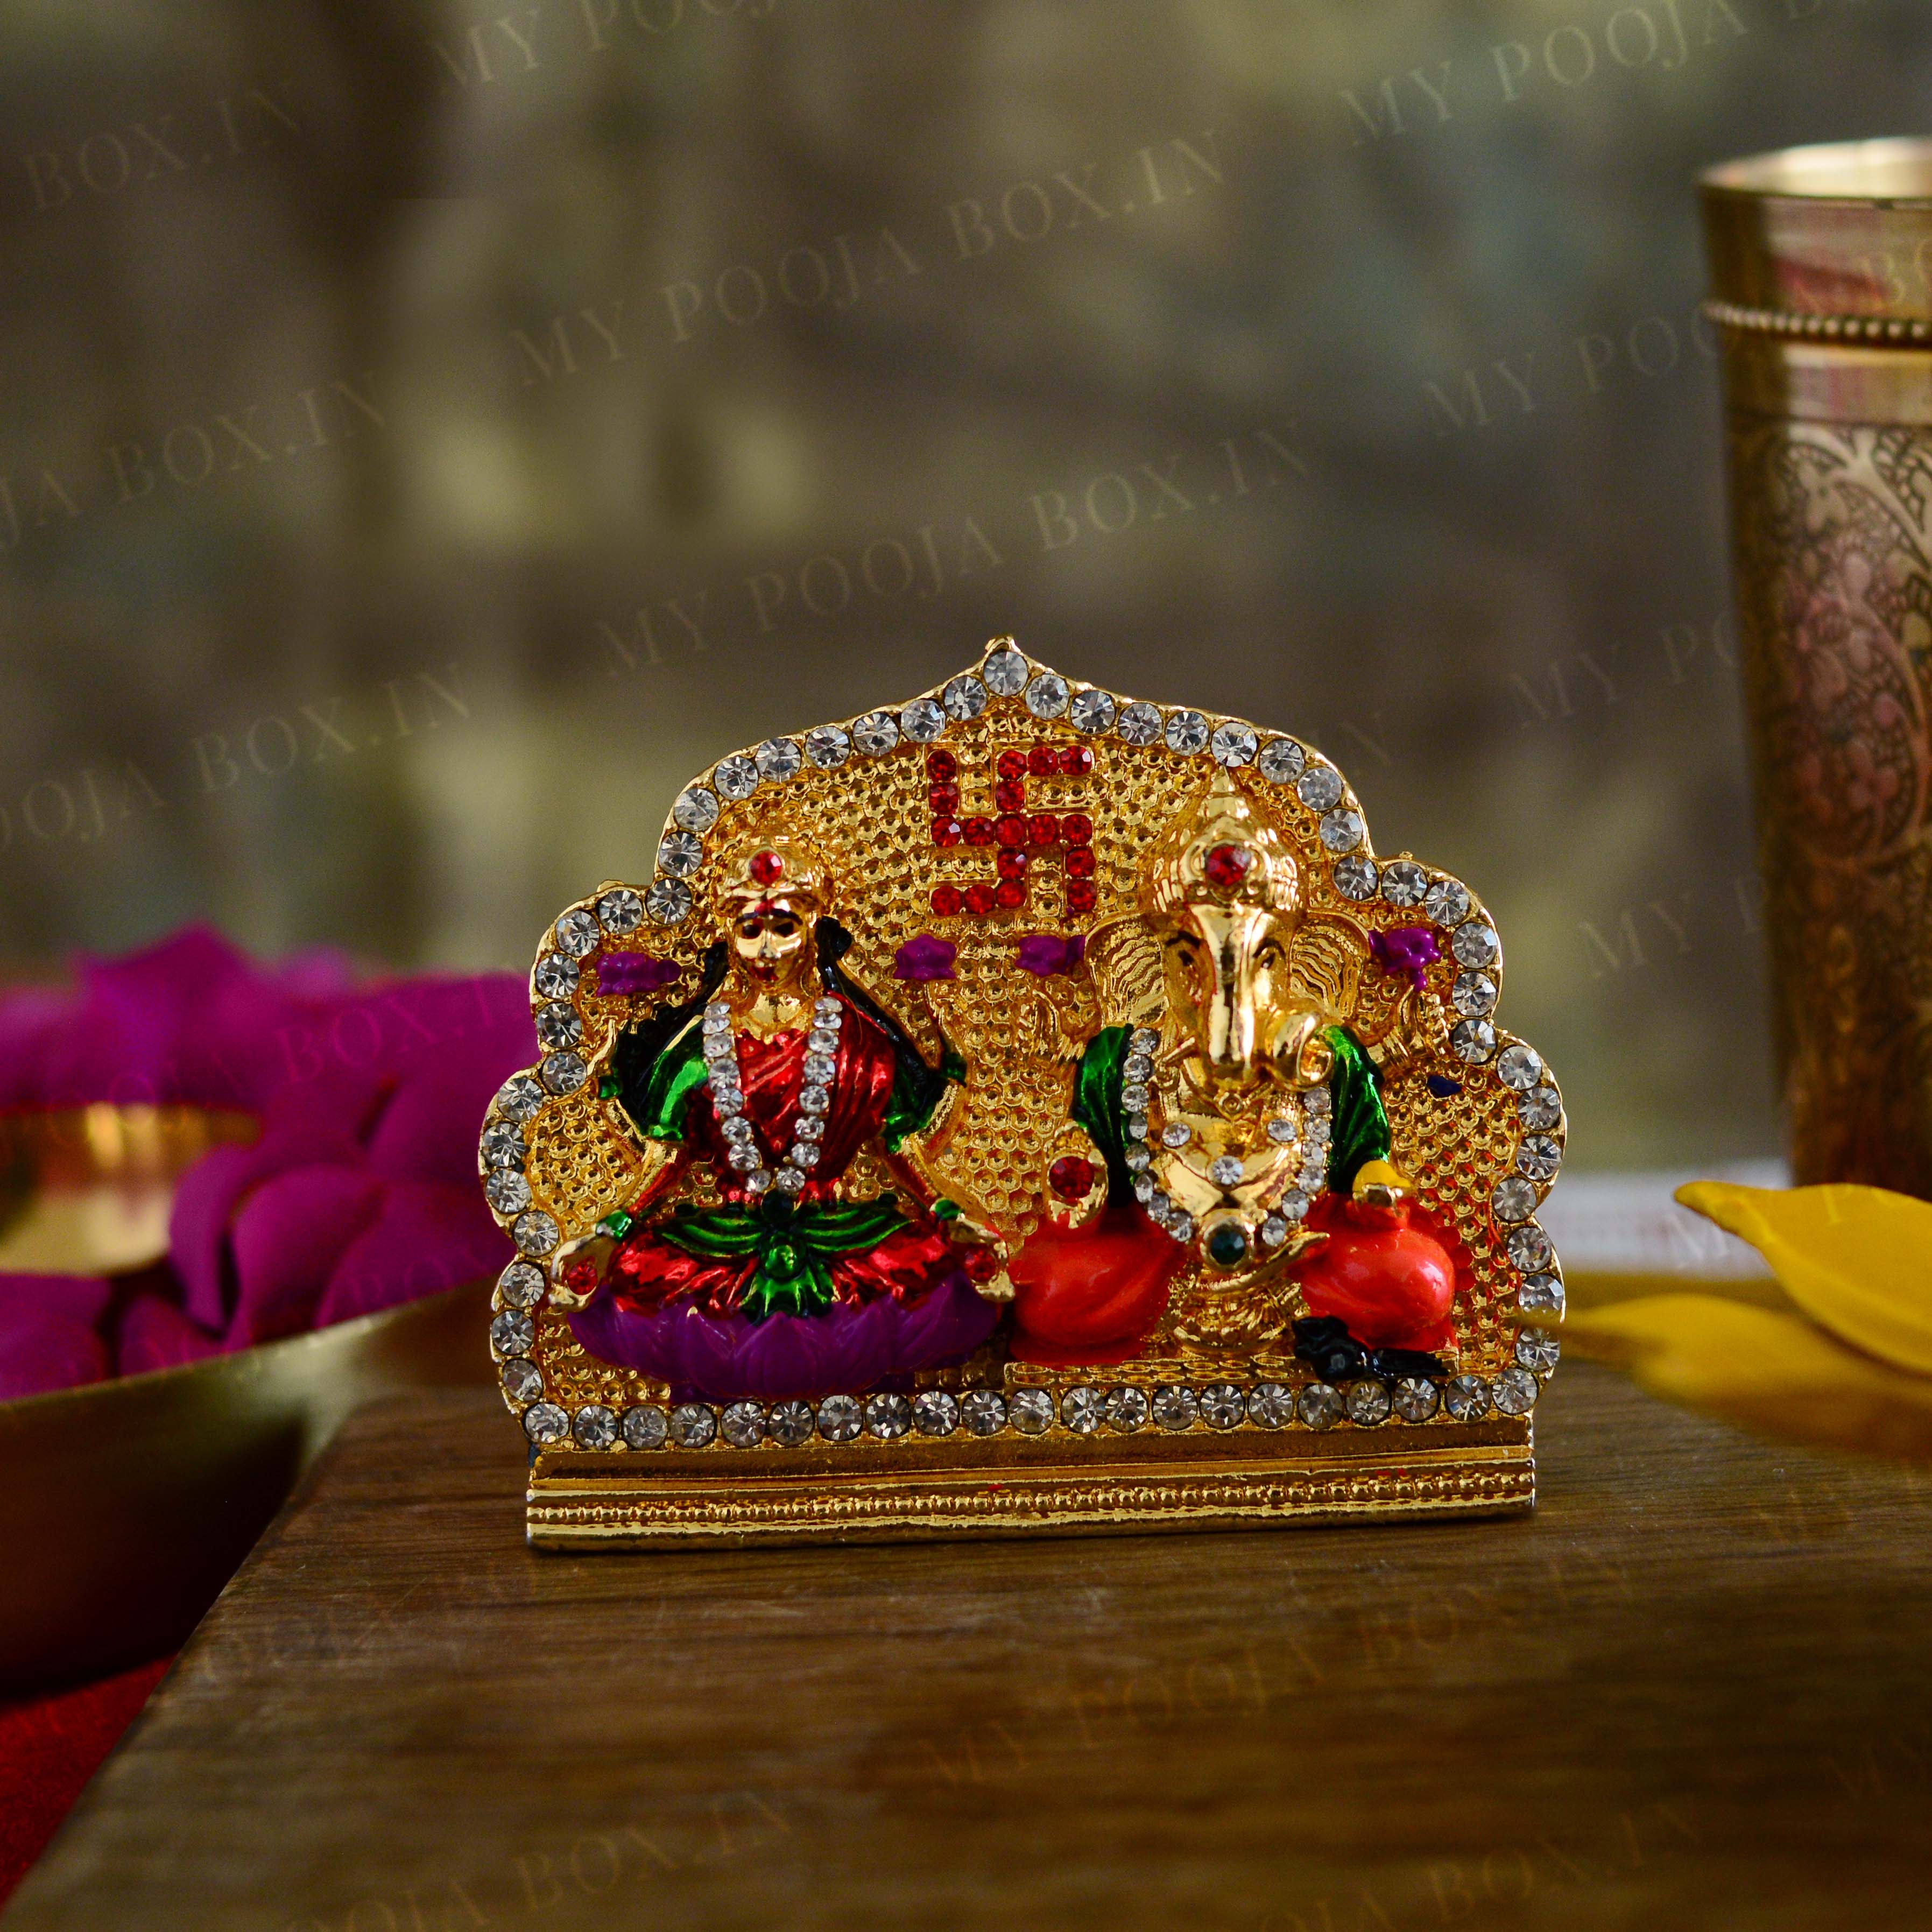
(1241, 1127)
(801, 1280)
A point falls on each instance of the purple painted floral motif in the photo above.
(1406, 951)
(925, 958)
(1046, 953)
(619, 973)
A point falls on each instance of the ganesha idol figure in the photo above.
(1243, 1156)
(759, 1258)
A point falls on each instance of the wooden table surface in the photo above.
(1694, 1689)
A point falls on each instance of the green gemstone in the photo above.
(1228, 1245)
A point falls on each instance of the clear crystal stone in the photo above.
(1537, 1350)
(692, 1425)
(513, 1333)
(1472, 1040)
(743, 1424)
(828, 1009)
(811, 1127)
(1175, 1407)
(1541, 1108)
(680, 854)
(788, 1181)
(818, 1067)
(668, 901)
(828, 746)
(1475, 944)
(521, 1284)
(1134, 1096)
(965, 698)
(523, 1380)
(983, 1411)
(1404, 882)
(1473, 994)
(1466, 1398)
(1187, 733)
(1031, 1410)
(758, 1182)
(1046, 696)
(1319, 1103)
(1541, 1295)
(1415, 1399)
(1294, 1204)
(1320, 1406)
(1226, 1170)
(805, 1155)
(1515, 1391)
(777, 760)
(887, 1417)
(1514, 1199)
(502, 1145)
(1145, 1191)
(1138, 1156)
(695, 809)
(840, 1418)
(1137, 1068)
(813, 1099)
(534, 1232)
(1126, 1408)
(645, 1427)
(1270, 1404)
(935, 1412)
(596, 1427)
(1222, 1406)
(1356, 878)
(1139, 723)
(877, 731)
(1080, 1409)
(744, 1156)
(1006, 672)
(790, 1423)
(577, 931)
(620, 910)
(556, 977)
(1518, 1065)
(1092, 711)
(558, 1025)
(1176, 1134)
(1143, 1039)
(1137, 1126)
(1319, 787)
(507, 1192)
(1368, 1404)
(1342, 830)
(923, 720)
(1233, 743)
(1282, 761)
(1275, 1229)
(565, 1072)
(1529, 1249)
(1447, 903)
(1539, 1157)
(545, 1422)
(738, 1131)
(736, 777)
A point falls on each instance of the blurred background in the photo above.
(433, 430)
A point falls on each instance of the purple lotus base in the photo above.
(849, 1348)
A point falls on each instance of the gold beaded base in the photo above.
(1061, 1485)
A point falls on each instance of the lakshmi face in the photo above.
(771, 939)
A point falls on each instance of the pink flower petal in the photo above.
(285, 1238)
(426, 1238)
(155, 1334)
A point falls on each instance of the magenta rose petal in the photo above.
(48, 1350)
(155, 1334)
(424, 1238)
(285, 1238)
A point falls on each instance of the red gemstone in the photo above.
(1010, 862)
(1080, 863)
(1012, 764)
(766, 867)
(1227, 866)
(1081, 896)
(980, 899)
(1008, 893)
(979, 832)
(1043, 829)
(1010, 796)
(1076, 761)
(579, 1276)
(946, 901)
(1077, 828)
(947, 831)
(1042, 761)
(943, 798)
(941, 767)
(1010, 829)
(1071, 1179)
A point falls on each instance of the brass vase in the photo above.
(1821, 262)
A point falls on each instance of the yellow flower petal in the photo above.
(1768, 1371)
(1857, 1260)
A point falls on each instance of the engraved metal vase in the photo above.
(1821, 261)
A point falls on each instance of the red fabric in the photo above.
(50, 1747)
